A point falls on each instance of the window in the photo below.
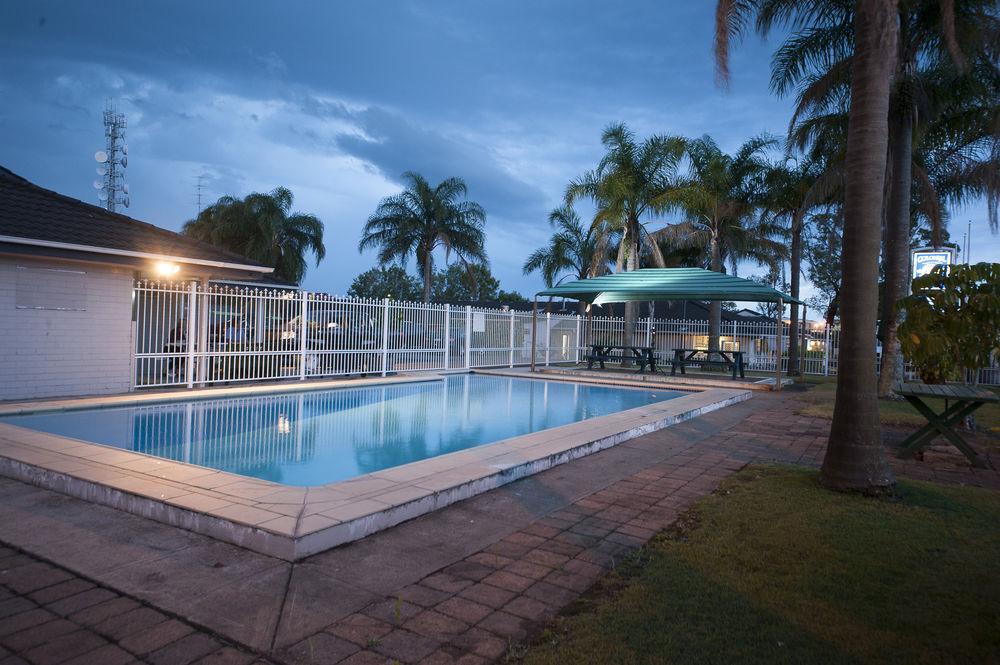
(51, 289)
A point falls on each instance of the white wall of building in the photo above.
(65, 329)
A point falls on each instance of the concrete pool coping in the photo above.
(292, 523)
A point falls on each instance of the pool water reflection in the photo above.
(318, 437)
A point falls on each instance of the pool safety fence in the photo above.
(191, 334)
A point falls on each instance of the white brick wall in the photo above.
(49, 353)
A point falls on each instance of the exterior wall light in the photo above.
(166, 268)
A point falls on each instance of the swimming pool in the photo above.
(316, 437)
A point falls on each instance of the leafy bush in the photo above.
(952, 321)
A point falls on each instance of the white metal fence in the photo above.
(188, 334)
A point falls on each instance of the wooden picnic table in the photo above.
(729, 359)
(601, 353)
(960, 401)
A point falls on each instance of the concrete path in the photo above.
(457, 585)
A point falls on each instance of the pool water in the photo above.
(322, 436)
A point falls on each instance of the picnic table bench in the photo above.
(602, 353)
(960, 401)
(729, 359)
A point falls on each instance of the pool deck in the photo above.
(461, 585)
(292, 523)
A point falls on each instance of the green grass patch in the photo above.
(818, 402)
(774, 568)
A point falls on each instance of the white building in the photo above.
(67, 271)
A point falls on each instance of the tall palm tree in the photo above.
(423, 218)
(720, 200)
(790, 193)
(854, 457)
(262, 228)
(629, 188)
(573, 250)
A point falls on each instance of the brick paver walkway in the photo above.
(469, 612)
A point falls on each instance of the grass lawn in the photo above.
(773, 568)
(895, 413)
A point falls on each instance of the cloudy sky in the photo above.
(334, 100)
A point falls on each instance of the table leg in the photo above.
(942, 424)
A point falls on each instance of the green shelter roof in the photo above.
(667, 284)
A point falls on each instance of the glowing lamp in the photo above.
(166, 268)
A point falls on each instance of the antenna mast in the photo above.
(200, 187)
(112, 161)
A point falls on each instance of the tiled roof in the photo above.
(30, 211)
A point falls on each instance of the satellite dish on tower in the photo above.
(98, 184)
(124, 162)
(102, 170)
(125, 188)
(127, 201)
(124, 148)
(101, 156)
(102, 195)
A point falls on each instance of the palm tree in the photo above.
(854, 457)
(790, 193)
(573, 250)
(628, 188)
(262, 228)
(720, 200)
(421, 219)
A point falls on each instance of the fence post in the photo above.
(385, 336)
(511, 337)
(826, 352)
(303, 329)
(649, 331)
(191, 332)
(468, 337)
(548, 335)
(447, 336)
(203, 331)
(577, 341)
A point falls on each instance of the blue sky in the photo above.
(335, 100)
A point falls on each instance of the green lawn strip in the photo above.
(773, 568)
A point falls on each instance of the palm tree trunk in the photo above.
(796, 270)
(854, 457)
(896, 254)
(428, 276)
(715, 307)
(631, 263)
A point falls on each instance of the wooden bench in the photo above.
(959, 401)
(728, 359)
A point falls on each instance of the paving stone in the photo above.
(418, 594)
(14, 606)
(15, 623)
(435, 625)
(366, 658)
(36, 635)
(487, 594)
(123, 625)
(532, 571)
(546, 558)
(490, 560)
(227, 656)
(469, 570)
(505, 625)
(65, 647)
(360, 629)
(482, 642)
(406, 647)
(59, 591)
(184, 651)
(156, 637)
(95, 614)
(109, 654)
(509, 581)
(551, 594)
(464, 609)
(80, 601)
(393, 611)
(444, 657)
(37, 575)
(446, 582)
(529, 608)
(320, 649)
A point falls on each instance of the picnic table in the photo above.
(601, 353)
(729, 359)
(960, 401)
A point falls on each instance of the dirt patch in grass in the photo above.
(773, 568)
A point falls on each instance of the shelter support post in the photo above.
(534, 328)
(802, 351)
(778, 323)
